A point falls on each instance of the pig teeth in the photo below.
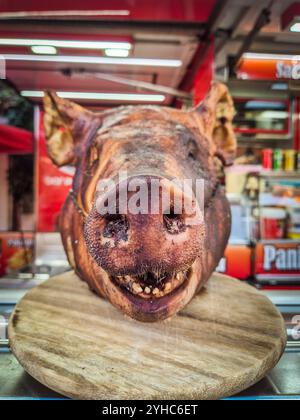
(137, 288)
(147, 290)
(168, 287)
(178, 276)
(156, 291)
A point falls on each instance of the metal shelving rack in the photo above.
(284, 177)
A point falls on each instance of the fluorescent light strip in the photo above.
(87, 45)
(146, 62)
(38, 49)
(63, 13)
(258, 56)
(119, 97)
(112, 52)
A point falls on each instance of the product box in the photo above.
(277, 261)
(16, 251)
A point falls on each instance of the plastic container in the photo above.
(278, 160)
(273, 223)
(268, 159)
(289, 160)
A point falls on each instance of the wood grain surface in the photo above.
(77, 344)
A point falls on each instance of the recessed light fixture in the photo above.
(280, 86)
(278, 57)
(40, 49)
(111, 52)
(86, 45)
(146, 62)
(99, 96)
(295, 27)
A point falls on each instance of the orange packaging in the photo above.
(237, 262)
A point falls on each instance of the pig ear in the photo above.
(66, 126)
(217, 112)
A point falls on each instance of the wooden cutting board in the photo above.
(77, 344)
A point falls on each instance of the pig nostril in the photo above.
(116, 226)
(174, 223)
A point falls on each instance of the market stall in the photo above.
(88, 91)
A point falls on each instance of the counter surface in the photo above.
(284, 380)
(16, 383)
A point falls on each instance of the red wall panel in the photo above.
(158, 10)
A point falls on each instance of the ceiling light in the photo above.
(111, 52)
(40, 49)
(118, 97)
(295, 27)
(86, 45)
(260, 56)
(147, 62)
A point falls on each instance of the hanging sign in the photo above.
(271, 69)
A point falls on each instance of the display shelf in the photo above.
(280, 175)
(278, 241)
(286, 298)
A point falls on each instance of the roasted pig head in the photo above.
(147, 263)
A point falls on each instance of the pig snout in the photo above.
(145, 224)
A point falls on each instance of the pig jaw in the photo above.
(154, 308)
(127, 291)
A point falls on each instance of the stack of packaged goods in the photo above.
(281, 160)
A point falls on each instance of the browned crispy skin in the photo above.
(167, 144)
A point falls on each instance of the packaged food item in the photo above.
(278, 160)
(289, 160)
(20, 259)
(268, 159)
(294, 224)
(273, 223)
(298, 162)
(16, 252)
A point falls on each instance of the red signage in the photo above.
(269, 69)
(53, 185)
(278, 259)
